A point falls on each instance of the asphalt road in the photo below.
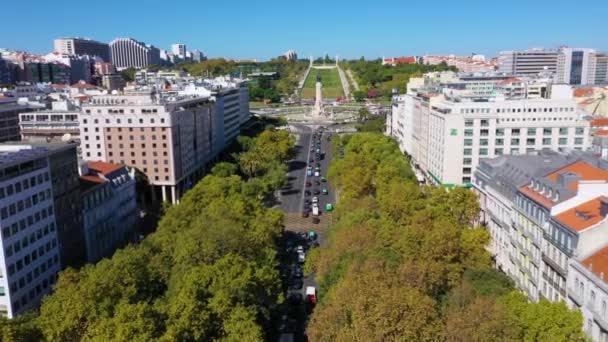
(292, 202)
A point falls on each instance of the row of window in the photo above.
(27, 240)
(34, 292)
(32, 257)
(530, 131)
(20, 226)
(529, 141)
(25, 184)
(517, 110)
(21, 205)
(119, 121)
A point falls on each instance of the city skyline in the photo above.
(338, 28)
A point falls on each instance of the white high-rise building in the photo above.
(179, 50)
(575, 66)
(130, 53)
(30, 251)
(447, 135)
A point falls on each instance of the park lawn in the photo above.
(332, 85)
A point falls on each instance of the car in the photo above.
(298, 273)
(295, 298)
(323, 179)
(315, 199)
(317, 183)
(307, 201)
(312, 235)
(318, 164)
(307, 193)
(301, 259)
(317, 174)
(311, 294)
(311, 160)
(315, 244)
(308, 184)
(325, 192)
(300, 249)
(305, 214)
(329, 207)
(296, 283)
(316, 220)
(317, 168)
(316, 192)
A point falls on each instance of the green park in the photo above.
(332, 86)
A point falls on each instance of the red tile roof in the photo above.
(536, 196)
(583, 216)
(103, 167)
(583, 92)
(83, 85)
(93, 179)
(583, 170)
(602, 132)
(598, 262)
(599, 122)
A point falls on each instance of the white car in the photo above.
(317, 174)
(300, 249)
(315, 199)
(301, 257)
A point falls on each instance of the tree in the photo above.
(128, 75)
(224, 169)
(359, 95)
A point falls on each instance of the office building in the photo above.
(169, 138)
(112, 82)
(197, 56)
(575, 66)
(42, 72)
(9, 118)
(6, 72)
(109, 208)
(104, 68)
(30, 248)
(130, 53)
(82, 46)
(179, 50)
(446, 134)
(463, 64)
(528, 62)
(80, 66)
(600, 69)
(59, 123)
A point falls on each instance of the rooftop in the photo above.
(17, 154)
(598, 262)
(585, 215)
(104, 168)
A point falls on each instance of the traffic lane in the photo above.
(291, 194)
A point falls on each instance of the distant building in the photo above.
(575, 66)
(601, 68)
(291, 55)
(83, 46)
(6, 74)
(112, 82)
(394, 61)
(197, 56)
(50, 125)
(130, 53)
(31, 258)
(179, 50)
(105, 68)
(463, 64)
(40, 72)
(80, 66)
(9, 118)
(109, 208)
(528, 62)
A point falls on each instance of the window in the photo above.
(484, 132)
(468, 142)
(500, 132)
(546, 141)
(483, 151)
(578, 141)
(468, 151)
(563, 141)
(499, 151)
(530, 141)
(483, 142)
(468, 123)
(563, 131)
(547, 131)
(515, 141)
(531, 131)
(579, 131)
(515, 131)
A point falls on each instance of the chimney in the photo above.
(604, 207)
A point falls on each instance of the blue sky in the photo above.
(263, 29)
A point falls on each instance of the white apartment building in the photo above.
(179, 50)
(130, 53)
(29, 261)
(447, 136)
(547, 218)
(61, 122)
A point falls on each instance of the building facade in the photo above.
(30, 258)
(169, 139)
(83, 46)
(109, 208)
(9, 118)
(575, 66)
(528, 62)
(130, 53)
(447, 135)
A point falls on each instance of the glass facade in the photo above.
(576, 67)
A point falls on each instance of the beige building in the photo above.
(169, 139)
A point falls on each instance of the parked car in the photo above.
(316, 192)
(307, 193)
(315, 199)
(295, 298)
(296, 283)
(300, 249)
(301, 259)
(308, 184)
(323, 179)
(325, 192)
(311, 294)
(317, 174)
(317, 183)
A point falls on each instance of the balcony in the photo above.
(554, 285)
(554, 265)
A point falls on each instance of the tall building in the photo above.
(39, 72)
(6, 74)
(80, 66)
(130, 53)
(528, 62)
(30, 248)
(168, 138)
(179, 50)
(447, 134)
(83, 46)
(109, 208)
(575, 66)
(197, 56)
(600, 65)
